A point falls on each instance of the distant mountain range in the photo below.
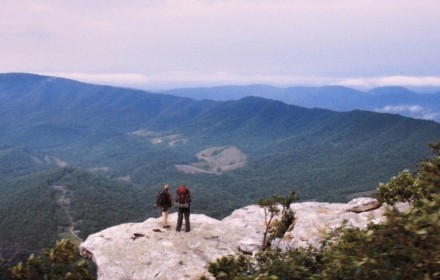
(394, 100)
(108, 151)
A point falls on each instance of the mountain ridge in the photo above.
(66, 117)
(389, 99)
(120, 146)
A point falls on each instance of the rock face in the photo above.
(362, 204)
(145, 250)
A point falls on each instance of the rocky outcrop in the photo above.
(148, 251)
(315, 219)
(362, 204)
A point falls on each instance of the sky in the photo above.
(152, 44)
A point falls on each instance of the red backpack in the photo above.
(183, 195)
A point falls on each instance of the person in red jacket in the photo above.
(183, 202)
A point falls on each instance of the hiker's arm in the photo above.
(189, 197)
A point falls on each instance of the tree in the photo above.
(277, 228)
(61, 262)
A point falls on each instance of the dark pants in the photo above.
(183, 212)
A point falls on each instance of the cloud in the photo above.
(401, 109)
(176, 79)
(285, 42)
(405, 81)
(186, 79)
(415, 111)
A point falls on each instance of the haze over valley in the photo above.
(85, 157)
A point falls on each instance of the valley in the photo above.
(63, 201)
(76, 158)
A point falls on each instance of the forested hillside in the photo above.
(32, 216)
(114, 148)
(392, 99)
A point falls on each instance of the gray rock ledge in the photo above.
(141, 251)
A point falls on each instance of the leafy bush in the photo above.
(413, 187)
(405, 247)
(60, 262)
(269, 264)
(231, 267)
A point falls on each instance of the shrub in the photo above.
(413, 187)
(277, 228)
(60, 262)
(405, 247)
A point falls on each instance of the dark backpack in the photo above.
(183, 195)
(161, 199)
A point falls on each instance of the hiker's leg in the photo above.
(187, 225)
(165, 217)
(179, 220)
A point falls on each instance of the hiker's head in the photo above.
(166, 187)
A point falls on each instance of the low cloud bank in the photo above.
(415, 111)
(185, 79)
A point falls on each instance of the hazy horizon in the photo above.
(155, 45)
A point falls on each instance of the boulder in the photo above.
(315, 219)
(362, 204)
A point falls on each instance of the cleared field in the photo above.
(216, 160)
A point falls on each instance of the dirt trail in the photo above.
(64, 202)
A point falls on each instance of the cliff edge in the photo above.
(146, 250)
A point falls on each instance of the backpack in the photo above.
(161, 199)
(183, 196)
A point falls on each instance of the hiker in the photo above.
(183, 201)
(164, 201)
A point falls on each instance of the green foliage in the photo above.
(277, 228)
(404, 247)
(326, 155)
(295, 264)
(413, 187)
(398, 189)
(287, 215)
(232, 267)
(61, 262)
(31, 217)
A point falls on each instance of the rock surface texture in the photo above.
(145, 250)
